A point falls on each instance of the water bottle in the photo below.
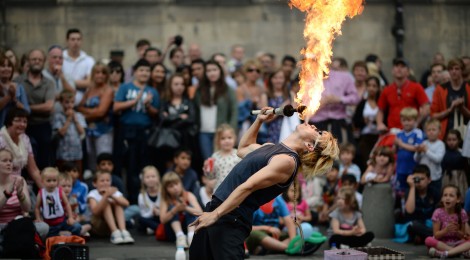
(180, 254)
(333, 246)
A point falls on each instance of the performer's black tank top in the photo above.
(252, 163)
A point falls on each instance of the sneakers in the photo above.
(116, 237)
(434, 253)
(181, 241)
(150, 231)
(126, 237)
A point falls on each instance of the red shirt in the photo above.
(412, 95)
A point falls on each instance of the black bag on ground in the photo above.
(164, 137)
(18, 239)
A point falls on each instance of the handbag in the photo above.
(164, 138)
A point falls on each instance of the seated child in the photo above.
(346, 225)
(182, 167)
(52, 205)
(177, 208)
(107, 208)
(65, 181)
(346, 165)
(381, 167)
(206, 191)
(293, 199)
(421, 201)
(79, 189)
(449, 223)
(266, 232)
(349, 181)
(149, 200)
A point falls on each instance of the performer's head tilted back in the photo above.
(321, 150)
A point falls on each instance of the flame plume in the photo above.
(323, 23)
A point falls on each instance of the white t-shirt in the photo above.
(146, 205)
(94, 194)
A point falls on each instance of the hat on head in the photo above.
(401, 61)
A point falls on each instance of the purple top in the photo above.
(339, 84)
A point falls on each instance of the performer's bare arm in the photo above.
(248, 141)
(279, 170)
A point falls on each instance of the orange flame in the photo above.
(323, 22)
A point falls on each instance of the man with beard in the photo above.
(41, 95)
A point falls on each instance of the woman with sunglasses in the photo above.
(249, 96)
(264, 172)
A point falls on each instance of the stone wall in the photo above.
(271, 26)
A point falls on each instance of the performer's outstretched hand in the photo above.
(205, 219)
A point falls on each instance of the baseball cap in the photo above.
(401, 61)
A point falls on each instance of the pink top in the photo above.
(441, 216)
(301, 208)
(10, 210)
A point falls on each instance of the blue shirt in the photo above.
(280, 210)
(136, 115)
(80, 189)
(405, 159)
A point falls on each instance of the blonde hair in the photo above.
(218, 134)
(321, 159)
(143, 189)
(49, 170)
(409, 113)
(64, 176)
(169, 178)
(433, 121)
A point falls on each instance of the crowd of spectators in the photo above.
(60, 107)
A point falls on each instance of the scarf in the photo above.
(20, 153)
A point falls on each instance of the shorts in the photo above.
(99, 227)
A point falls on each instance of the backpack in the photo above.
(19, 239)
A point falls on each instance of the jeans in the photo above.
(206, 142)
(75, 229)
(151, 222)
(135, 138)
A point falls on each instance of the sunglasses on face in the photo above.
(252, 70)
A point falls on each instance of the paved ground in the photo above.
(146, 247)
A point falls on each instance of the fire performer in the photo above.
(264, 172)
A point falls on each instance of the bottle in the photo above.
(180, 254)
(333, 246)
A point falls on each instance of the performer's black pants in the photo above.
(222, 240)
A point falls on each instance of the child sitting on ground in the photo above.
(182, 167)
(449, 226)
(107, 207)
(149, 200)
(79, 189)
(178, 208)
(346, 225)
(381, 167)
(293, 199)
(346, 166)
(52, 205)
(65, 181)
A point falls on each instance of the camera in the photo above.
(178, 40)
(72, 251)
(416, 179)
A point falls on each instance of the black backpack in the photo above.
(19, 239)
